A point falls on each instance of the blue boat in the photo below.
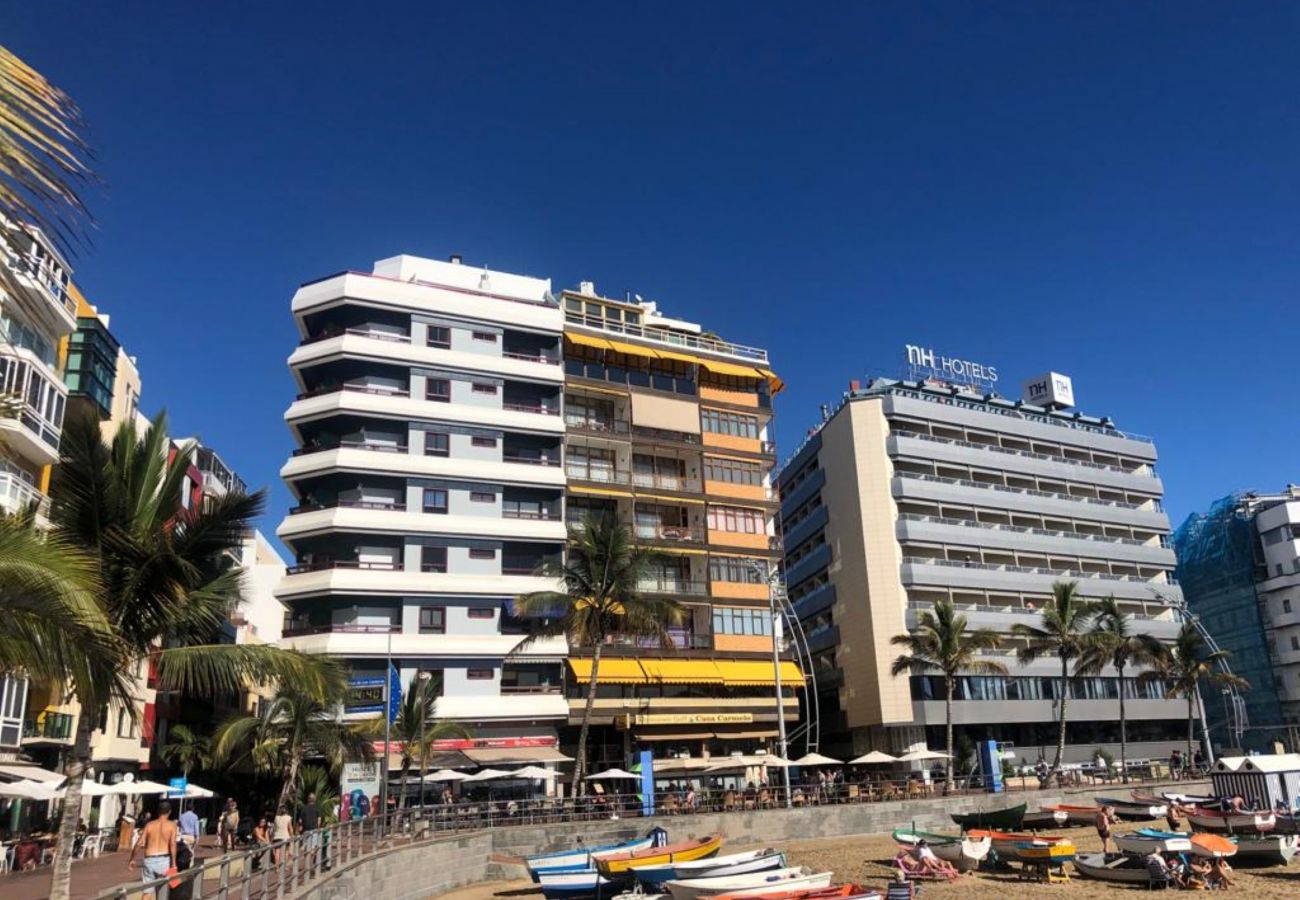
(581, 859)
(570, 885)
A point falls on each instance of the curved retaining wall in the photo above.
(428, 868)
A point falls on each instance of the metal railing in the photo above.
(540, 409)
(1028, 454)
(302, 630)
(356, 388)
(30, 268)
(323, 565)
(668, 338)
(598, 474)
(685, 534)
(1025, 529)
(358, 332)
(1036, 570)
(549, 358)
(1095, 501)
(664, 434)
(653, 585)
(348, 504)
(17, 495)
(532, 460)
(597, 426)
(376, 446)
(667, 482)
(926, 606)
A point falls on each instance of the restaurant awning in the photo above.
(682, 671)
(724, 368)
(612, 671)
(18, 772)
(585, 341)
(741, 672)
(506, 755)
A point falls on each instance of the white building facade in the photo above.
(429, 486)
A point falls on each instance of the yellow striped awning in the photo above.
(611, 671)
(774, 382)
(603, 492)
(723, 368)
(682, 671)
(680, 357)
(632, 349)
(660, 497)
(587, 341)
(746, 672)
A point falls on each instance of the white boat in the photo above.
(1115, 867)
(716, 867)
(1133, 810)
(1146, 844)
(775, 881)
(1266, 850)
(1232, 822)
(564, 885)
(581, 859)
(962, 850)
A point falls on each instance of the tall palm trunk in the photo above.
(1123, 730)
(424, 765)
(1060, 735)
(290, 780)
(580, 764)
(61, 878)
(401, 782)
(947, 786)
(1191, 728)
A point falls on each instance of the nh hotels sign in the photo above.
(924, 362)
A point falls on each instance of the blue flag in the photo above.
(394, 692)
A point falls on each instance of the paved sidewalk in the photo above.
(89, 876)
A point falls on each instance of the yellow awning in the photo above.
(632, 349)
(687, 500)
(612, 671)
(723, 368)
(774, 382)
(584, 340)
(682, 671)
(603, 492)
(738, 672)
(680, 357)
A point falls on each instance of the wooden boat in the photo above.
(1008, 845)
(835, 892)
(1264, 849)
(963, 851)
(1112, 867)
(1287, 824)
(1048, 817)
(1077, 815)
(1133, 810)
(580, 860)
(713, 867)
(1232, 822)
(565, 885)
(1010, 817)
(613, 864)
(1141, 843)
(1201, 843)
(755, 884)
(1147, 798)
(1047, 854)
(1192, 800)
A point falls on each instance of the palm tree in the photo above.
(1113, 642)
(316, 780)
(942, 643)
(412, 729)
(186, 750)
(276, 740)
(600, 599)
(1183, 665)
(1063, 633)
(163, 580)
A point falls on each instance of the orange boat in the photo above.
(1008, 844)
(834, 892)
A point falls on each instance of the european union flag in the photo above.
(394, 692)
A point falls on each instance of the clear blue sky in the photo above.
(1106, 189)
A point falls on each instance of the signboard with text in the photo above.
(690, 718)
(924, 363)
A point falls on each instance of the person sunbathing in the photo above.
(909, 864)
(932, 863)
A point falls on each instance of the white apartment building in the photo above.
(429, 485)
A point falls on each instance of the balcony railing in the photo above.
(1039, 570)
(322, 565)
(668, 338)
(542, 515)
(548, 358)
(537, 689)
(58, 294)
(1095, 501)
(517, 569)
(532, 460)
(598, 474)
(1027, 454)
(665, 435)
(676, 534)
(682, 586)
(348, 504)
(1024, 529)
(376, 446)
(17, 495)
(357, 388)
(51, 726)
(358, 332)
(666, 482)
(537, 408)
(588, 425)
(303, 630)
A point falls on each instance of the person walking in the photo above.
(228, 826)
(190, 830)
(281, 834)
(159, 842)
(1104, 820)
(308, 820)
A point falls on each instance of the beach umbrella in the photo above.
(28, 790)
(874, 758)
(489, 775)
(532, 772)
(94, 789)
(194, 792)
(446, 775)
(614, 775)
(922, 755)
(139, 787)
(776, 762)
(817, 759)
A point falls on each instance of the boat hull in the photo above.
(581, 859)
(1010, 845)
(685, 851)
(758, 884)
(1232, 823)
(716, 867)
(965, 853)
(1134, 811)
(1146, 844)
(566, 885)
(1078, 815)
(1011, 817)
(1119, 868)
(1265, 850)
(836, 892)
(1045, 818)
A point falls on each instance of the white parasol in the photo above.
(489, 775)
(817, 759)
(446, 775)
(922, 755)
(874, 758)
(614, 775)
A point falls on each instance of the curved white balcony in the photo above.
(356, 520)
(384, 350)
(360, 460)
(407, 583)
(409, 409)
(458, 646)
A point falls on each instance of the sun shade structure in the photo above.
(132, 788)
(446, 775)
(874, 758)
(614, 775)
(489, 775)
(921, 755)
(28, 790)
(533, 772)
(817, 759)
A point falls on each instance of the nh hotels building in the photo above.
(937, 486)
(452, 423)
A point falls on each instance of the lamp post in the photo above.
(388, 728)
(773, 579)
(423, 678)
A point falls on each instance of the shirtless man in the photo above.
(1104, 819)
(159, 842)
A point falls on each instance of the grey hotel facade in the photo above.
(914, 490)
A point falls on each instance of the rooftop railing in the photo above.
(667, 337)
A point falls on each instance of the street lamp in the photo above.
(773, 579)
(388, 728)
(423, 677)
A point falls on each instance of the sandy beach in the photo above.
(866, 860)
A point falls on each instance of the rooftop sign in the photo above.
(925, 363)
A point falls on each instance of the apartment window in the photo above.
(479, 553)
(1295, 642)
(736, 519)
(484, 388)
(433, 559)
(485, 336)
(433, 620)
(1286, 605)
(734, 620)
(733, 471)
(480, 674)
(435, 500)
(437, 443)
(439, 336)
(438, 390)
(483, 441)
(737, 570)
(482, 497)
(733, 424)
(481, 612)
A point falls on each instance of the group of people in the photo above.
(1180, 765)
(922, 862)
(1192, 873)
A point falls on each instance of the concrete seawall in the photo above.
(433, 867)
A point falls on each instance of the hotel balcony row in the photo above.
(1096, 580)
(912, 528)
(32, 428)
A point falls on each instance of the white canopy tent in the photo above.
(28, 790)
(134, 788)
(874, 758)
(614, 775)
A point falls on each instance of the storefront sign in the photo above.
(925, 363)
(359, 780)
(691, 719)
(497, 743)
(1051, 389)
